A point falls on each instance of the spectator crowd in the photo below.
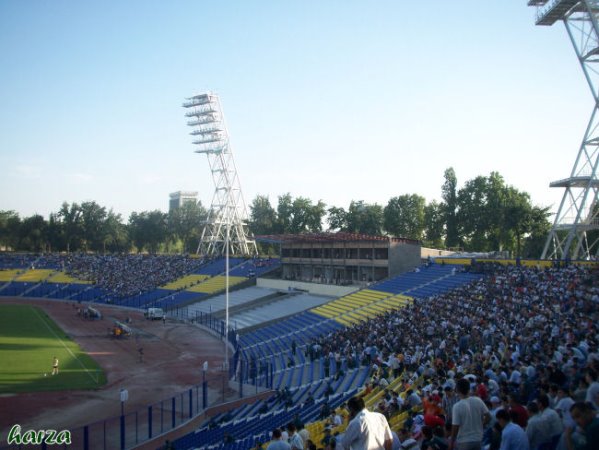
(127, 275)
(524, 341)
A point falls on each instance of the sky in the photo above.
(331, 100)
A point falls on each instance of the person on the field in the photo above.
(55, 366)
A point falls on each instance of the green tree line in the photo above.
(485, 214)
(90, 227)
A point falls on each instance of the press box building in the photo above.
(344, 258)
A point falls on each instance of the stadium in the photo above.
(267, 336)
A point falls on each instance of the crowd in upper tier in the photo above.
(127, 275)
(120, 275)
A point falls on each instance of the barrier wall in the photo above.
(313, 288)
(513, 262)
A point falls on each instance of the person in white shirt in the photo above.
(366, 430)
(295, 440)
(550, 417)
(469, 416)
(537, 429)
(335, 419)
(592, 394)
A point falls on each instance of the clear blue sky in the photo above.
(332, 100)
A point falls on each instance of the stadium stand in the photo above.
(442, 334)
(519, 333)
(215, 284)
(280, 307)
(236, 298)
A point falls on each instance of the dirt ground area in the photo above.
(173, 356)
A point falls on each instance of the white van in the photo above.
(154, 313)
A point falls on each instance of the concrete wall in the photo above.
(403, 257)
(434, 253)
(314, 288)
(538, 263)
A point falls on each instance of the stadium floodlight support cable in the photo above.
(578, 212)
(228, 206)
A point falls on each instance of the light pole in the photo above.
(204, 385)
(124, 393)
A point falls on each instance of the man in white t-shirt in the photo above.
(366, 430)
(469, 416)
(295, 440)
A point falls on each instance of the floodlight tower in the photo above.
(578, 212)
(226, 221)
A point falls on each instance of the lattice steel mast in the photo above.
(578, 211)
(227, 216)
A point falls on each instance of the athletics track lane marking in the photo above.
(68, 349)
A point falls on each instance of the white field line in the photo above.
(94, 379)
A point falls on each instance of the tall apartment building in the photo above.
(179, 198)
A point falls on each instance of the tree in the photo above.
(93, 218)
(307, 217)
(55, 233)
(263, 217)
(433, 225)
(299, 215)
(10, 223)
(404, 216)
(472, 215)
(115, 237)
(148, 230)
(538, 231)
(495, 216)
(284, 213)
(517, 217)
(72, 225)
(337, 218)
(33, 234)
(450, 206)
(186, 223)
(365, 218)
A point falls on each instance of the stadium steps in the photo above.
(360, 306)
(281, 342)
(31, 289)
(250, 305)
(277, 311)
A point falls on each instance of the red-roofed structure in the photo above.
(344, 258)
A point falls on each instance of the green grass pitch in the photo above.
(29, 341)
